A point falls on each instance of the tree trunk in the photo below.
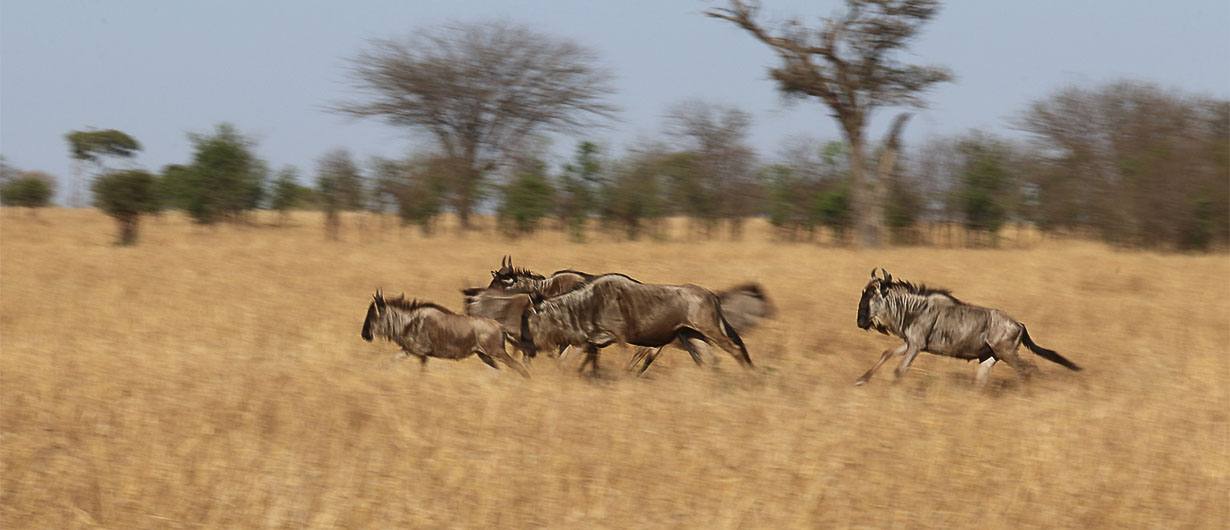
(128, 229)
(862, 201)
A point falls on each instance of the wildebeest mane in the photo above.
(923, 290)
(521, 272)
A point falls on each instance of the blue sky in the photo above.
(158, 70)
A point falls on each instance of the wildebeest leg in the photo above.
(651, 354)
(591, 359)
(884, 357)
(505, 358)
(1007, 353)
(487, 359)
(422, 364)
(685, 338)
(728, 339)
(911, 351)
(642, 353)
(984, 372)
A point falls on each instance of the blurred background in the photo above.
(199, 201)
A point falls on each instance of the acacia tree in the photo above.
(125, 196)
(90, 146)
(848, 65)
(479, 90)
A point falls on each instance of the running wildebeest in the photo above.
(510, 277)
(744, 306)
(615, 308)
(932, 320)
(424, 329)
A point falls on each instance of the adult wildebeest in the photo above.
(509, 277)
(424, 329)
(744, 306)
(615, 308)
(932, 320)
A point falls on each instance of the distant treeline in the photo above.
(1137, 165)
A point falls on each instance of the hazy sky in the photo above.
(158, 69)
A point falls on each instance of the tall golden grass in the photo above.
(215, 377)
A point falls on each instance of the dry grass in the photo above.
(215, 378)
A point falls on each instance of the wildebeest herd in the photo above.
(571, 309)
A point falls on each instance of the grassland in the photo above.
(215, 378)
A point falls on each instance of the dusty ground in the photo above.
(215, 378)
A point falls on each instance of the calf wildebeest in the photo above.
(424, 329)
(932, 320)
(615, 308)
(744, 306)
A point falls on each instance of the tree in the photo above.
(848, 65)
(578, 184)
(287, 193)
(715, 178)
(91, 146)
(479, 90)
(125, 196)
(632, 197)
(527, 199)
(224, 180)
(28, 189)
(340, 187)
(420, 196)
(1140, 165)
(985, 184)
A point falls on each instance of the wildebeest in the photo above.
(509, 277)
(424, 329)
(744, 306)
(932, 320)
(615, 308)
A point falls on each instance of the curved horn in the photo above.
(873, 273)
(888, 278)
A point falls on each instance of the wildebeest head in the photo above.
(871, 307)
(507, 275)
(374, 322)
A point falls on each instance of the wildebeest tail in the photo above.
(730, 332)
(1049, 355)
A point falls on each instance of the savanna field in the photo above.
(215, 378)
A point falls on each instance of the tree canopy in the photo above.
(479, 90)
(849, 63)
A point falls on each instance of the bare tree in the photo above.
(479, 90)
(848, 65)
(716, 137)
